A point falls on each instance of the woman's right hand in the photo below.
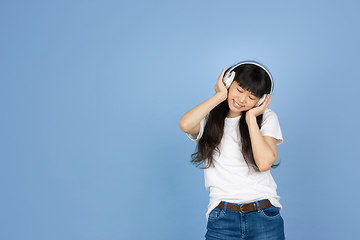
(190, 121)
(220, 87)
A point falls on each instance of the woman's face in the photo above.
(239, 100)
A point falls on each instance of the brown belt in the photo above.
(245, 208)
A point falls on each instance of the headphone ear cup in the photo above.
(261, 100)
(228, 79)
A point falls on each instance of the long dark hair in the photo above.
(251, 78)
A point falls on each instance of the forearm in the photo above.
(264, 150)
(191, 119)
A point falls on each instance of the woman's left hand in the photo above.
(256, 111)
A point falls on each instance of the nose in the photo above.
(241, 98)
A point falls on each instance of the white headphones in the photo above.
(230, 75)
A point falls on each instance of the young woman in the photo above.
(236, 139)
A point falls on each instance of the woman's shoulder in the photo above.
(271, 126)
(268, 112)
(270, 115)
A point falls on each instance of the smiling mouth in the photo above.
(237, 105)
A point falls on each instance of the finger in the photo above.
(265, 103)
(267, 100)
(221, 75)
(270, 95)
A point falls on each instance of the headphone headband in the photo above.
(230, 75)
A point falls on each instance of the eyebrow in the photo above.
(248, 91)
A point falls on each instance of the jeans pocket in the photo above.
(271, 212)
(216, 213)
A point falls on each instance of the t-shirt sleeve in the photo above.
(196, 137)
(271, 126)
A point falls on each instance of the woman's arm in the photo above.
(190, 121)
(263, 147)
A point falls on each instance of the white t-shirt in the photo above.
(230, 179)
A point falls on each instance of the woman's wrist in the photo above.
(250, 119)
(221, 96)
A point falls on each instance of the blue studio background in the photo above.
(92, 91)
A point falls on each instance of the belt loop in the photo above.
(225, 205)
(258, 206)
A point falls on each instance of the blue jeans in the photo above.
(266, 224)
